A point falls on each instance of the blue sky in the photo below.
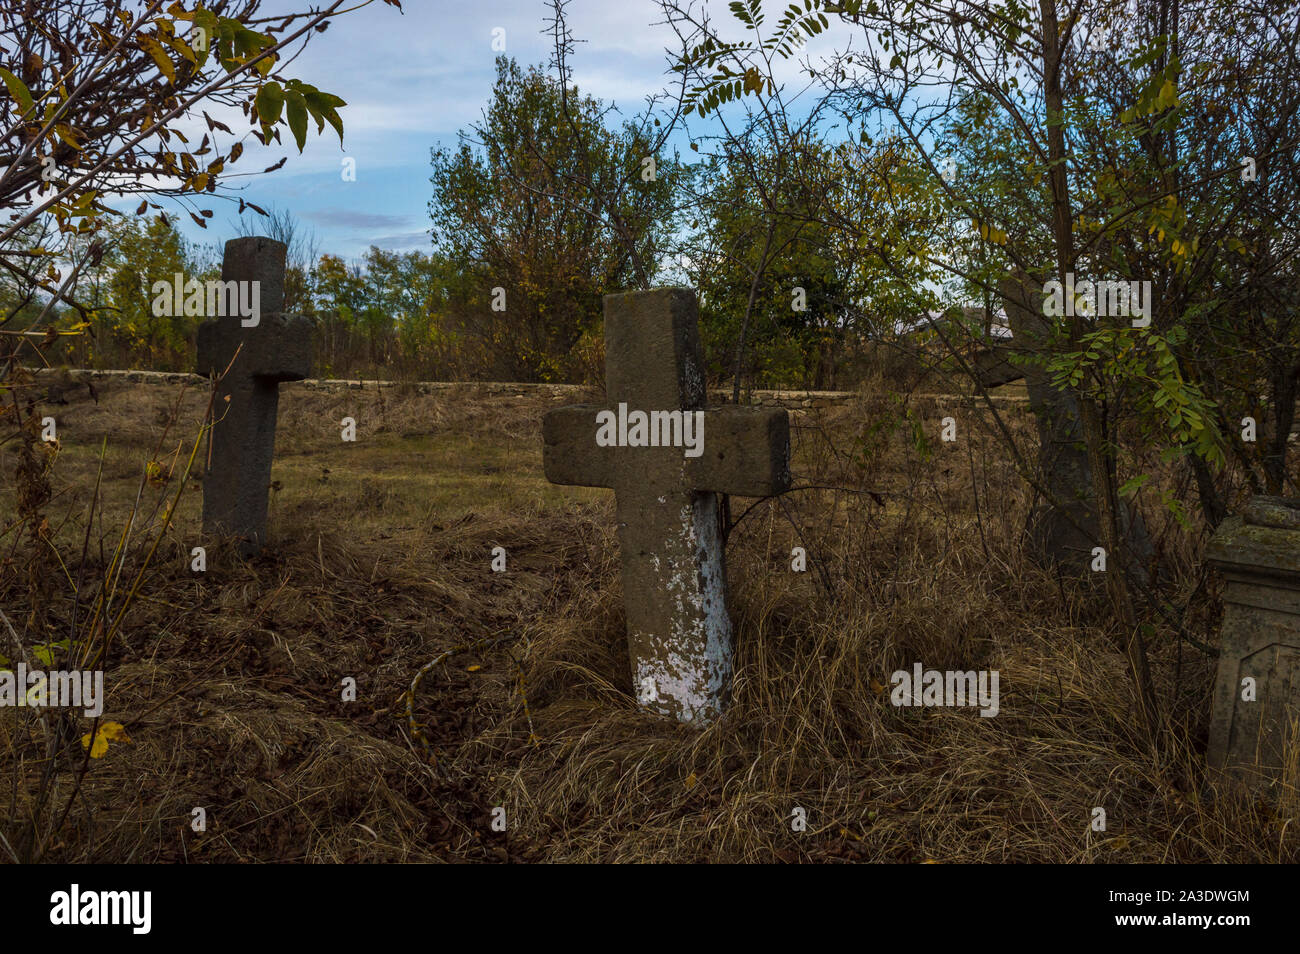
(412, 80)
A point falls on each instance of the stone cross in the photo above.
(1256, 710)
(275, 348)
(1063, 534)
(674, 579)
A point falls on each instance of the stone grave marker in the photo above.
(674, 579)
(275, 348)
(1256, 708)
(1063, 534)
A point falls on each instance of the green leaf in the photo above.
(270, 98)
(332, 117)
(68, 135)
(1131, 487)
(206, 21)
(21, 95)
(324, 106)
(296, 113)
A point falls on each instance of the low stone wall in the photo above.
(788, 399)
(805, 399)
(794, 400)
(135, 377)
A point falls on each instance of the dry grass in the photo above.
(229, 682)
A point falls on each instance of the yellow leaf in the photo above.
(67, 135)
(474, 668)
(115, 731)
(107, 732)
(21, 95)
(181, 47)
(159, 56)
(691, 780)
(990, 233)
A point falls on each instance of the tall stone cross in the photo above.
(1066, 534)
(674, 579)
(275, 348)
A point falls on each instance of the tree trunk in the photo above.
(1103, 484)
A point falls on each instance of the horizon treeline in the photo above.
(511, 286)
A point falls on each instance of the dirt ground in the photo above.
(230, 682)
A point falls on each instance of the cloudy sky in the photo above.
(412, 79)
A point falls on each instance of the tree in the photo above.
(130, 329)
(337, 295)
(791, 199)
(1079, 155)
(93, 95)
(508, 215)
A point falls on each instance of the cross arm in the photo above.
(746, 452)
(569, 452)
(277, 348)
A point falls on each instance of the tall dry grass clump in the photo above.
(916, 556)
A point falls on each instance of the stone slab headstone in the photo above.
(1256, 710)
(236, 482)
(674, 579)
(1063, 534)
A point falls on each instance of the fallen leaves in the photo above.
(105, 733)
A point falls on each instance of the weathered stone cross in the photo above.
(674, 580)
(1067, 535)
(276, 348)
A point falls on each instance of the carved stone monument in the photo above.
(1256, 713)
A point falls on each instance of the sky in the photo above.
(412, 79)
